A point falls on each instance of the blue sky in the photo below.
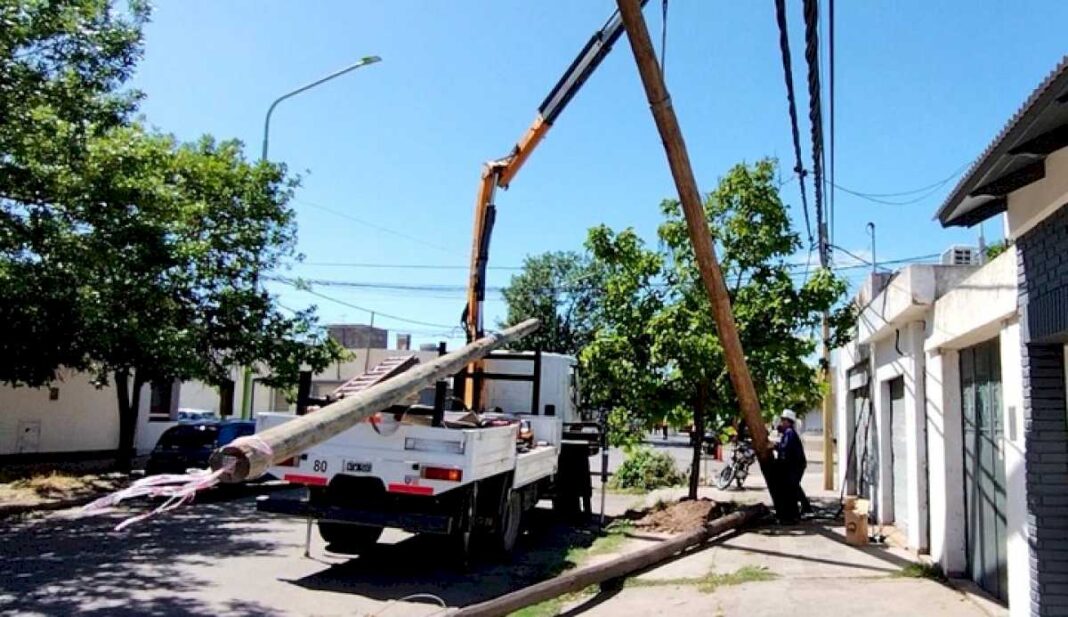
(390, 154)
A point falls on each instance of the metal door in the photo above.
(867, 450)
(984, 466)
(898, 450)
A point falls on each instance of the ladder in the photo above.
(382, 371)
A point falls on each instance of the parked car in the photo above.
(187, 446)
(186, 414)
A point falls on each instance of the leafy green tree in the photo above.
(123, 252)
(561, 290)
(773, 313)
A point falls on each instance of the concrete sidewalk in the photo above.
(808, 569)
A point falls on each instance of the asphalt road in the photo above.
(220, 557)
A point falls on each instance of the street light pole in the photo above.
(246, 385)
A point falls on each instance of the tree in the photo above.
(774, 314)
(560, 289)
(123, 252)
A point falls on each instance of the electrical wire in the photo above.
(815, 115)
(830, 87)
(787, 68)
(924, 192)
(389, 266)
(663, 37)
(297, 285)
(373, 225)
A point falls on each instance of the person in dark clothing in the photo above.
(790, 454)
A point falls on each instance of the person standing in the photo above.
(790, 454)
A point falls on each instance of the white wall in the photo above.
(1018, 548)
(83, 418)
(944, 460)
(1027, 206)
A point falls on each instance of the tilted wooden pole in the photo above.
(249, 457)
(711, 275)
(630, 563)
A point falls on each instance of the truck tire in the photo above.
(348, 539)
(511, 525)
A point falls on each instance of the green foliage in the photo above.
(657, 348)
(561, 290)
(122, 251)
(993, 250)
(646, 469)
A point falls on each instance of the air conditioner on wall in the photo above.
(961, 255)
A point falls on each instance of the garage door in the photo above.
(898, 436)
(984, 466)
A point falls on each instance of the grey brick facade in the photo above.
(1042, 260)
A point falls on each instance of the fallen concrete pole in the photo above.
(249, 457)
(628, 564)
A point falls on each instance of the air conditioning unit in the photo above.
(960, 255)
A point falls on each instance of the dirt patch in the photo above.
(52, 488)
(678, 516)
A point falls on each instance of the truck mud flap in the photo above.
(413, 522)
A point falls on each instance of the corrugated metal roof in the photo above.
(1047, 92)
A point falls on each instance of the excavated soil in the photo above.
(679, 516)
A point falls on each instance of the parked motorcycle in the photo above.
(737, 470)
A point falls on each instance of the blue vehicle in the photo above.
(187, 446)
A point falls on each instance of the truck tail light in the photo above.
(442, 473)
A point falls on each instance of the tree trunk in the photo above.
(129, 402)
(699, 437)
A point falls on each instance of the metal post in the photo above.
(246, 382)
(604, 460)
(367, 357)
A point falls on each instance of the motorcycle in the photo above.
(737, 470)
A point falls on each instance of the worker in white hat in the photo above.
(791, 455)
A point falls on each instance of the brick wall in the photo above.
(1043, 287)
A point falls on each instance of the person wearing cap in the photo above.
(791, 456)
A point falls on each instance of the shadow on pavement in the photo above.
(425, 564)
(66, 565)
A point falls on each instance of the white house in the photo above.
(952, 417)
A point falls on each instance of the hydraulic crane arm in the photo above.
(500, 172)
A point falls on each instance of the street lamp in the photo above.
(267, 120)
(246, 385)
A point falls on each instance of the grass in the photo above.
(921, 570)
(711, 581)
(551, 608)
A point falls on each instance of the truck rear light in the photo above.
(442, 473)
(433, 445)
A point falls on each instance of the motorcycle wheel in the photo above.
(723, 481)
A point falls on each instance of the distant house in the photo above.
(951, 411)
(76, 419)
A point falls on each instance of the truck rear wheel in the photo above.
(511, 524)
(348, 539)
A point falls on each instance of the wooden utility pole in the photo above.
(614, 570)
(249, 457)
(697, 223)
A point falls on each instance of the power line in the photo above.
(373, 225)
(830, 86)
(299, 287)
(341, 264)
(815, 114)
(924, 191)
(787, 68)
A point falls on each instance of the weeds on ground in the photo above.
(921, 570)
(551, 608)
(615, 534)
(711, 581)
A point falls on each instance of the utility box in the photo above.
(856, 520)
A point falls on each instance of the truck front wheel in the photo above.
(348, 539)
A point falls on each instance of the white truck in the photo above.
(425, 469)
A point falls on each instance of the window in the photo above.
(161, 406)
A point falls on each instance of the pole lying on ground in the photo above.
(249, 457)
(696, 222)
(628, 564)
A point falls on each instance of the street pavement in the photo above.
(220, 557)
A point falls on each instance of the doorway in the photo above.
(984, 466)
